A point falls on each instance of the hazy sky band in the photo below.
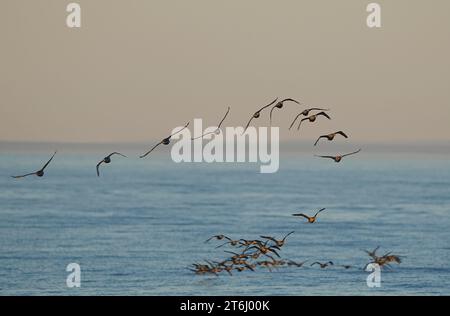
(136, 69)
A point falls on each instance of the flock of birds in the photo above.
(249, 254)
(264, 252)
(307, 113)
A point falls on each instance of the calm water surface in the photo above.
(137, 228)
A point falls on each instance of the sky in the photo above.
(137, 69)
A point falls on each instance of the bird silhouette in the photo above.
(216, 131)
(279, 105)
(39, 173)
(165, 141)
(306, 113)
(338, 158)
(311, 219)
(107, 160)
(257, 114)
(331, 136)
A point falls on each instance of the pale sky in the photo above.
(136, 69)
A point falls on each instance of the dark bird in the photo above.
(346, 266)
(257, 114)
(245, 242)
(216, 131)
(313, 118)
(230, 242)
(331, 136)
(323, 265)
(297, 264)
(39, 173)
(279, 105)
(165, 141)
(265, 250)
(306, 113)
(218, 237)
(311, 219)
(373, 253)
(339, 157)
(107, 159)
(279, 243)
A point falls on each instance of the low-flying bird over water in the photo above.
(39, 173)
(331, 136)
(311, 219)
(107, 159)
(306, 113)
(297, 264)
(279, 243)
(313, 118)
(257, 114)
(323, 265)
(338, 158)
(279, 105)
(217, 131)
(373, 253)
(218, 237)
(165, 141)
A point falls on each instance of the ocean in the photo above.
(137, 228)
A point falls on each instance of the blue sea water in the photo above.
(136, 229)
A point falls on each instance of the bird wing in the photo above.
(322, 209)
(301, 121)
(319, 139)
(266, 106)
(248, 123)
(288, 235)
(23, 176)
(148, 152)
(201, 136)
(228, 111)
(289, 99)
(271, 111)
(275, 252)
(355, 152)
(185, 126)
(342, 133)
(45, 166)
(117, 153)
(98, 165)
(293, 122)
(268, 237)
(324, 114)
(332, 157)
(302, 215)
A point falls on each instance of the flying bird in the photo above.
(313, 118)
(218, 237)
(216, 131)
(297, 264)
(39, 173)
(373, 253)
(339, 157)
(165, 141)
(279, 243)
(331, 136)
(279, 105)
(257, 114)
(323, 265)
(311, 219)
(306, 113)
(107, 159)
